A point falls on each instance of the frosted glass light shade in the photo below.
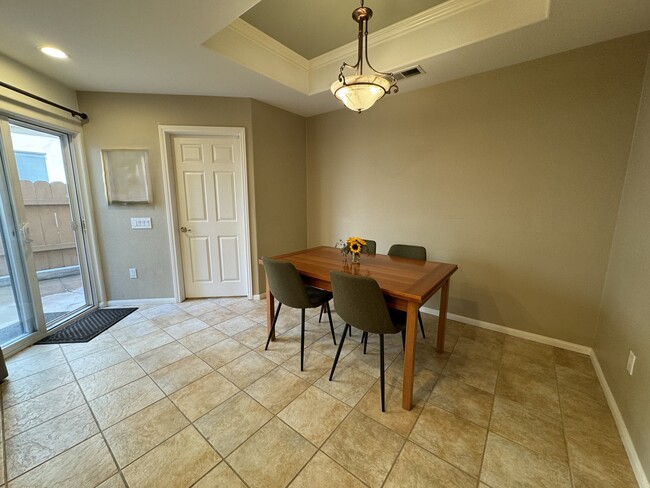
(360, 92)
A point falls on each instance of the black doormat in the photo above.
(89, 326)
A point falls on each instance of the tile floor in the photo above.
(185, 395)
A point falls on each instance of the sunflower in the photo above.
(355, 247)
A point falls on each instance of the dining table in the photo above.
(406, 284)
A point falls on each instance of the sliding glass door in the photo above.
(43, 227)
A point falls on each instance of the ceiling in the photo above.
(201, 47)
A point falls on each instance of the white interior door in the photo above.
(212, 215)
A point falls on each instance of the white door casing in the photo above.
(212, 220)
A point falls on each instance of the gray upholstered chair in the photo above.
(288, 289)
(411, 252)
(360, 302)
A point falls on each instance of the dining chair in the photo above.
(288, 289)
(361, 304)
(411, 252)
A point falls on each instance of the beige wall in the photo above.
(624, 322)
(514, 174)
(121, 121)
(280, 181)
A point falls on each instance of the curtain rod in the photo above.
(74, 113)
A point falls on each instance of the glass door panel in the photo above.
(51, 221)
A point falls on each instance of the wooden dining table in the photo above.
(406, 284)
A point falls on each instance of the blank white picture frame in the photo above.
(126, 176)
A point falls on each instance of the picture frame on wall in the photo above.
(126, 176)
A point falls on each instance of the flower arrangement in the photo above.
(354, 246)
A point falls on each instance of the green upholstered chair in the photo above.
(411, 252)
(360, 302)
(288, 289)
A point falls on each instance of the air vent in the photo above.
(409, 72)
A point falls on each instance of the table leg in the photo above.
(442, 318)
(269, 309)
(409, 355)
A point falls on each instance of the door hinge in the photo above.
(83, 225)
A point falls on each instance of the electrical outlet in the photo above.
(631, 359)
(141, 222)
(133, 273)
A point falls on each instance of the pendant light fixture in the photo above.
(360, 91)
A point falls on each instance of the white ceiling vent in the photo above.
(409, 72)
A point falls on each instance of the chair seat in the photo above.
(399, 319)
(317, 297)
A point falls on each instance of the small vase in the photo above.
(356, 258)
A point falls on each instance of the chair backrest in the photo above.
(285, 283)
(408, 251)
(359, 301)
(372, 246)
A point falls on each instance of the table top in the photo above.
(403, 278)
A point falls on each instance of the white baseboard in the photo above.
(137, 301)
(514, 332)
(639, 472)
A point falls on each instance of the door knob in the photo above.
(185, 229)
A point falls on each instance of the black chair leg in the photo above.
(329, 316)
(365, 341)
(421, 325)
(322, 307)
(350, 331)
(275, 319)
(381, 366)
(403, 339)
(302, 340)
(338, 351)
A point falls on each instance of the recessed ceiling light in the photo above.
(54, 52)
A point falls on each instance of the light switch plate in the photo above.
(141, 222)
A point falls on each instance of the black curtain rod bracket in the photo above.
(74, 113)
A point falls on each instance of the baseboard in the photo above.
(639, 472)
(570, 346)
(635, 462)
(136, 302)
(261, 296)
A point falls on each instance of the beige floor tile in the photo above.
(428, 358)
(34, 360)
(584, 417)
(16, 391)
(463, 400)
(535, 392)
(99, 343)
(316, 365)
(146, 343)
(313, 332)
(203, 339)
(416, 467)
(31, 413)
(514, 362)
(483, 335)
(395, 417)
(114, 481)
(322, 472)
(186, 328)
(423, 381)
(364, 447)
(315, 415)
(282, 349)
(222, 352)
(244, 306)
(529, 427)
(253, 337)
(217, 316)
(132, 318)
(541, 353)
(197, 308)
(231, 423)
(179, 461)
(451, 438)
(88, 365)
(258, 315)
(171, 318)
(180, 374)
(285, 453)
(235, 325)
(221, 476)
(477, 350)
(111, 378)
(324, 345)
(587, 384)
(163, 356)
(157, 311)
(87, 464)
(348, 385)
(144, 430)
(277, 389)
(510, 465)
(480, 374)
(573, 360)
(126, 334)
(198, 398)
(45, 441)
(31, 352)
(247, 369)
(125, 401)
(367, 363)
(3, 478)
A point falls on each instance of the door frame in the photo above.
(166, 132)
